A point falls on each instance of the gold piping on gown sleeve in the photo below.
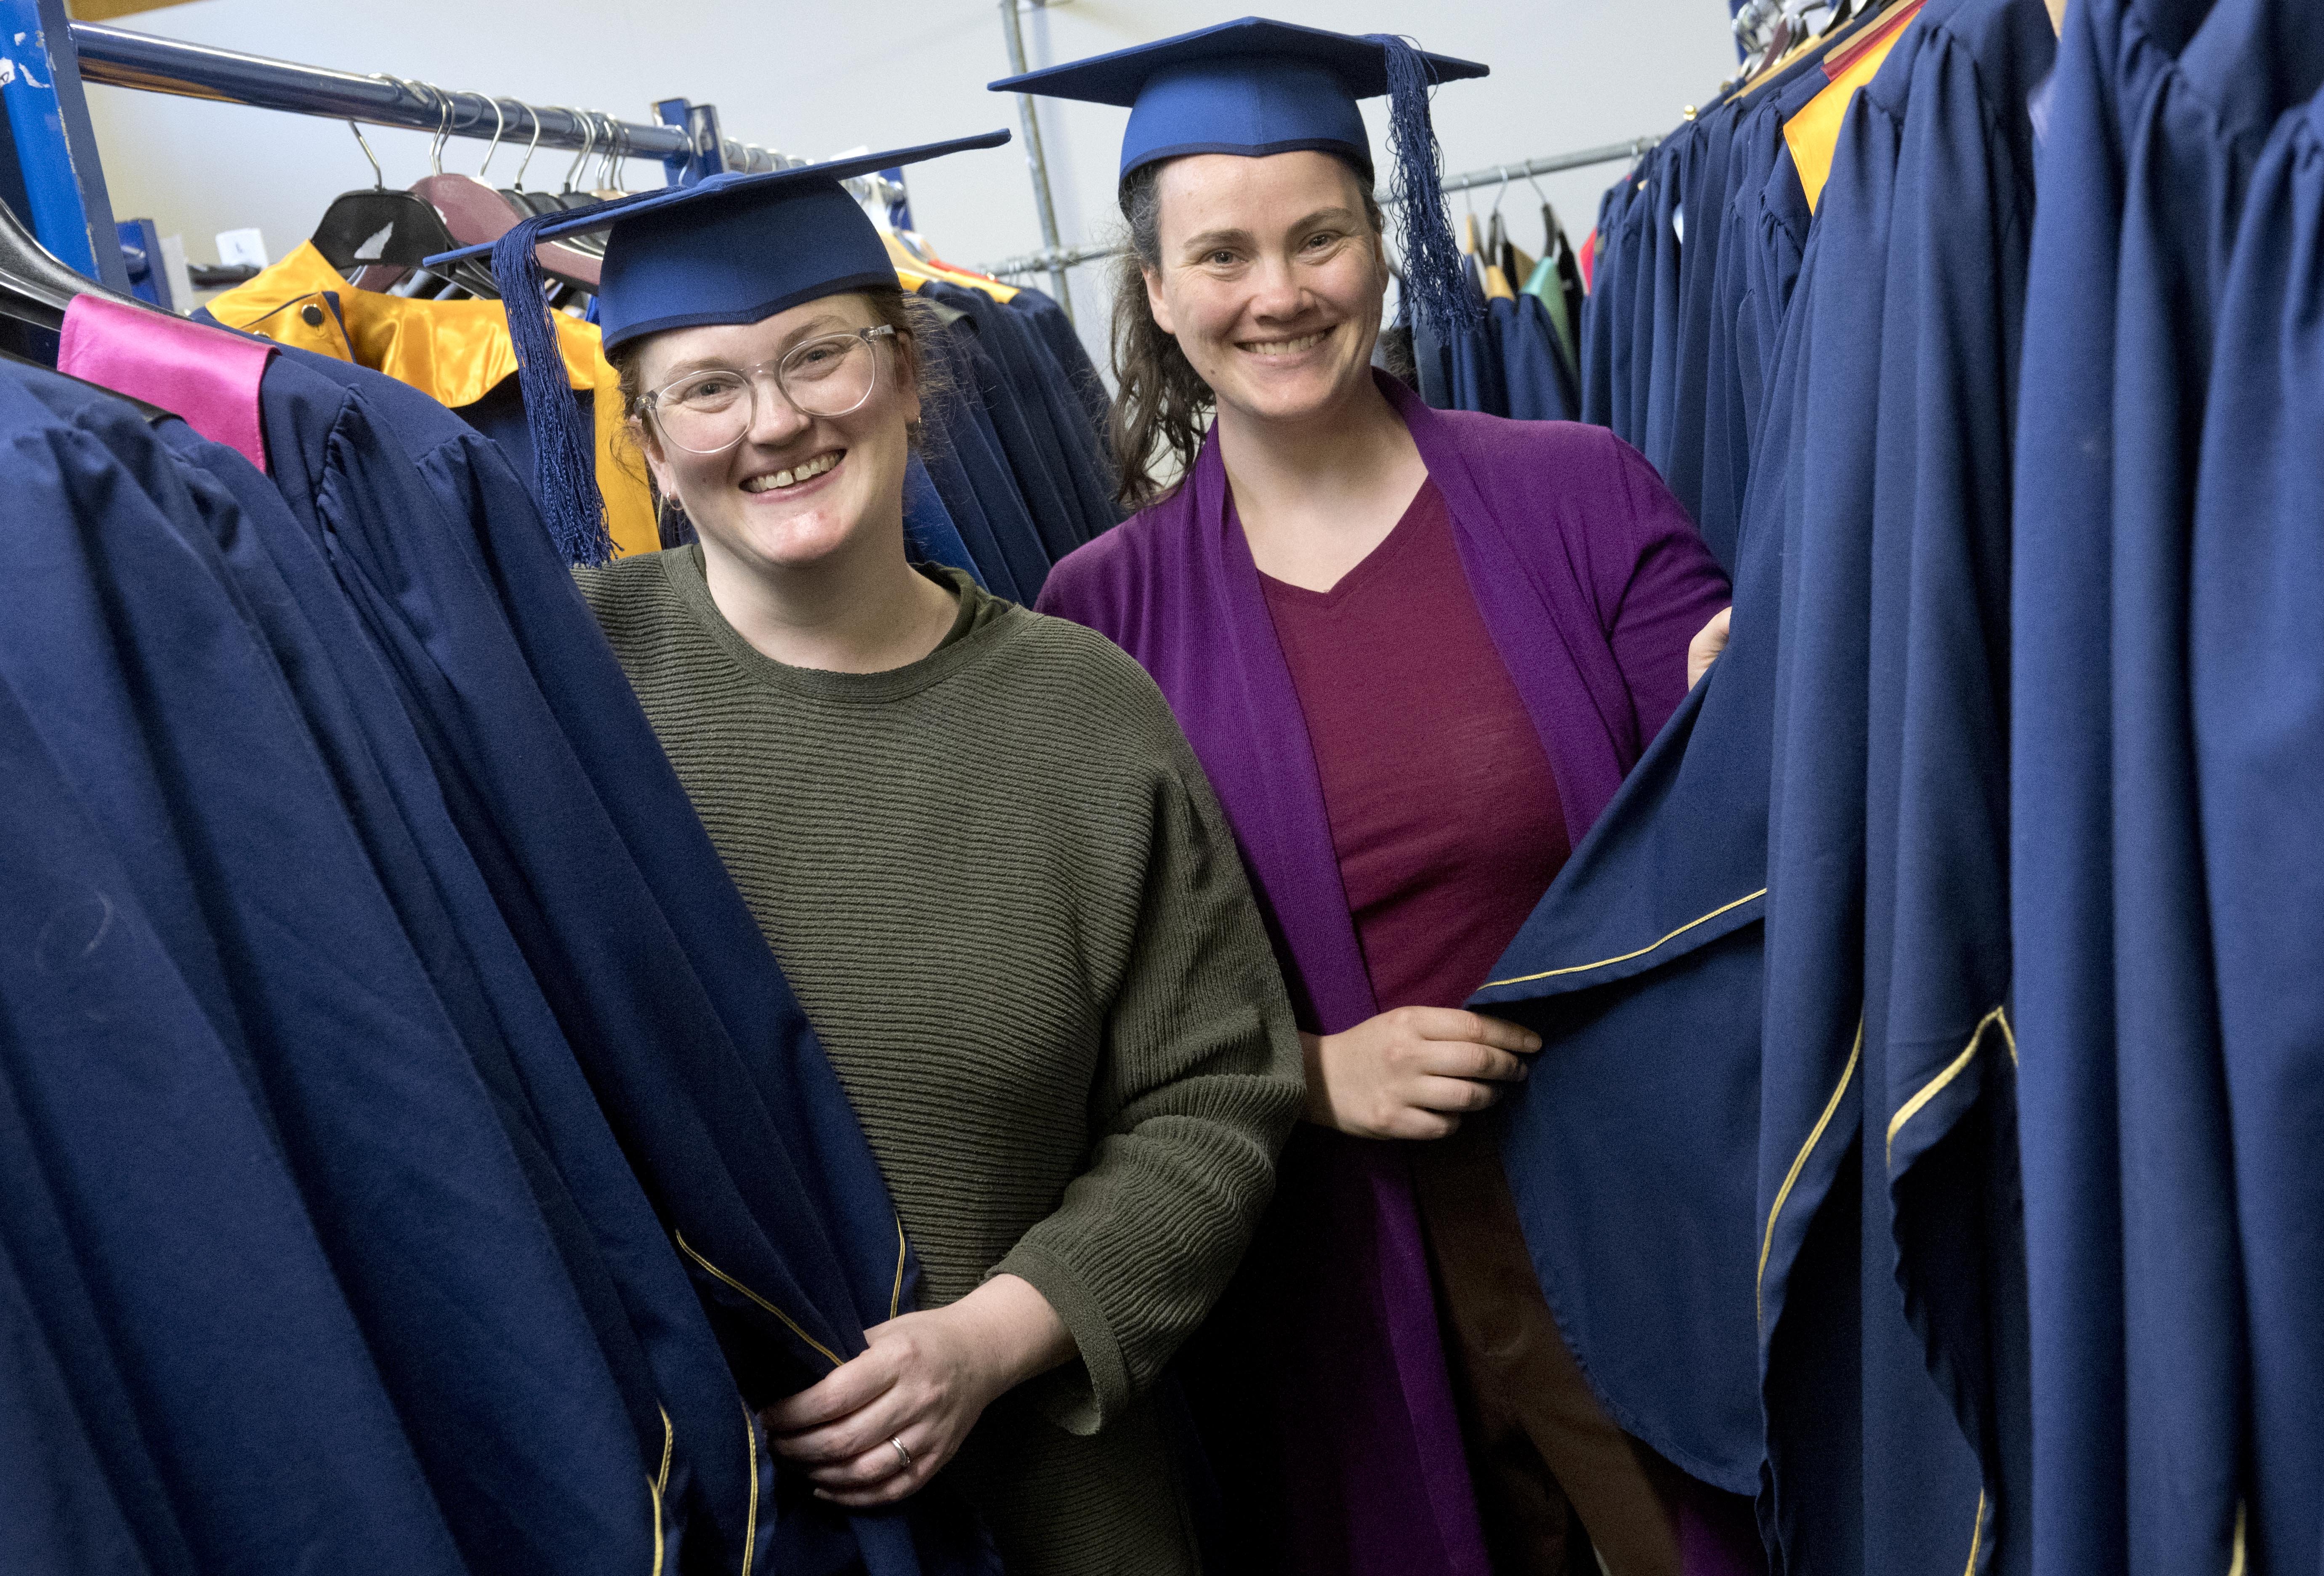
(829, 1356)
(2236, 1566)
(1799, 1163)
(454, 352)
(751, 1521)
(1626, 957)
(1975, 1536)
(1912, 1108)
(896, 1297)
(657, 1487)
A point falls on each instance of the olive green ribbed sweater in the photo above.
(1000, 883)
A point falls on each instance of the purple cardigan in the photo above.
(1321, 1382)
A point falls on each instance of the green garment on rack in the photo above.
(1543, 282)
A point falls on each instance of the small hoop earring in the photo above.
(671, 524)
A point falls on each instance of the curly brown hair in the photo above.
(1164, 406)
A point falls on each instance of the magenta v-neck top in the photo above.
(1442, 801)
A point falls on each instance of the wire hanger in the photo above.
(377, 225)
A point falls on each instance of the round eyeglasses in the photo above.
(711, 409)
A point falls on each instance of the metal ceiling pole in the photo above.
(1040, 166)
(121, 58)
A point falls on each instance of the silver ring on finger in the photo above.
(903, 1453)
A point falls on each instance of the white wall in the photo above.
(814, 79)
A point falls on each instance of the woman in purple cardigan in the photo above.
(1416, 651)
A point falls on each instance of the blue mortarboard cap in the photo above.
(1252, 86)
(735, 248)
(1257, 87)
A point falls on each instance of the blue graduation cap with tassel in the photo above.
(1257, 87)
(735, 248)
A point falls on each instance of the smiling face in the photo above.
(797, 491)
(1271, 279)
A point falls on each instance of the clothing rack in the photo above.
(1053, 261)
(48, 57)
(687, 142)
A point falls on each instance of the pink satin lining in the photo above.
(207, 375)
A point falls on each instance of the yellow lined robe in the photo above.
(455, 352)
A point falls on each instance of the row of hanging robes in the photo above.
(1970, 1204)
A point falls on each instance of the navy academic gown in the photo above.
(1938, 1057)
(2259, 739)
(1697, 230)
(1651, 935)
(1056, 332)
(1007, 381)
(965, 432)
(1054, 400)
(1654, 276)
(928, 524)
(1886, 811)
(661, 1352)
(2139, 1317)
(940, 457)
(1633, 352)
(698, 1053)
(199, 1394)
(1540, 384)
(1839, 1347)
(261, 900)
(188, 1385)
(441, 1286)
(1766, 218)
(1595, 326)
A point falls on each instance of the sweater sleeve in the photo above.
(1667, 587)
(1200, 1082)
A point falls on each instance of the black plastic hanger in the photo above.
(381, 226)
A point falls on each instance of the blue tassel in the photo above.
(1432, 278)
(564, 446)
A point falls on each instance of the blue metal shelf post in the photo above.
(56, 148)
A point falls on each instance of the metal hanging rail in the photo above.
(1583, 159)
(120, 58)
(1054, 261)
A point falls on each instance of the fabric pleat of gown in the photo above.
(432, 819)
(1321, 1384)
(2153, 1181)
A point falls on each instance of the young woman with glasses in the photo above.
(990, 865)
